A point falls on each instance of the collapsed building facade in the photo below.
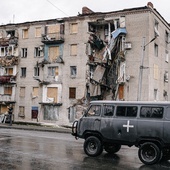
(50, 70)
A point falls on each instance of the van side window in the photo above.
(128, 111)
(108, 110)
(151, 112)
(94, 110)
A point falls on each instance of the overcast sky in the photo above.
(18, 11)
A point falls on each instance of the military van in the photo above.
(110, 124)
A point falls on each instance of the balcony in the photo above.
(6, 98)
(9, 61)
(7, 79)
(9, 41)
(55, 38)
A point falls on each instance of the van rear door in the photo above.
(150, 123)
(166, 135)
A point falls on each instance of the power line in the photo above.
(57, 7)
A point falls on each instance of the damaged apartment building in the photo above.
(50, 70)
(9, 59)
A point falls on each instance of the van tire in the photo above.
(93, 146)
(112, 148)
(149, 153)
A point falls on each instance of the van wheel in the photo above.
(93, 146)
(149, 153)
(112, 148)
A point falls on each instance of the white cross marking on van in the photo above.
(128, 126)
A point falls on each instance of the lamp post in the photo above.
(141, 67)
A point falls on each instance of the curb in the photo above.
(58, 129)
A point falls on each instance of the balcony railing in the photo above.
(53, 38)
(7, 79)
(6, 98)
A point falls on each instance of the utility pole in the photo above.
(141, 67)
(141, 71)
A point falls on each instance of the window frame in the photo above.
(24, 52)
(53, 71)
(110, 113)
(94, 110)
(72, 29)
(23, 72)
(37, 35)
(73, 49)
(72, 92)
(151, 113)
(73, 71)
(126, 111)
(36, 71)
(24, 35)
(156, 50)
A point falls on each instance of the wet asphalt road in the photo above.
(34, 150)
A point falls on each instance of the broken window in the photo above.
(9, 71)
(73, 71)
(52, 94)
(24, 52)
(51, 113)
(10, 50)
(36, 71)
(23, 71)
(22, 92)
(21, 111)
(156, 50)
(72, 93)
(35, 91)
(52, 71)
(54, 53)
(38, 32)
(38, 51)
(156, 72)
(73, 49)
(2, 51)
(166, 76)
(25, 33)
(73, 28)
(166, 56)
(8, 90)
(10, 33)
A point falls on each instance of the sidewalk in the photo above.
(37, 127)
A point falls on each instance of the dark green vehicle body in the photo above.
(116, 123)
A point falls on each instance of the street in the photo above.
(27, 150)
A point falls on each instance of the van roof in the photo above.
(131, 102)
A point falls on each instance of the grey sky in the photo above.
(18, 11)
